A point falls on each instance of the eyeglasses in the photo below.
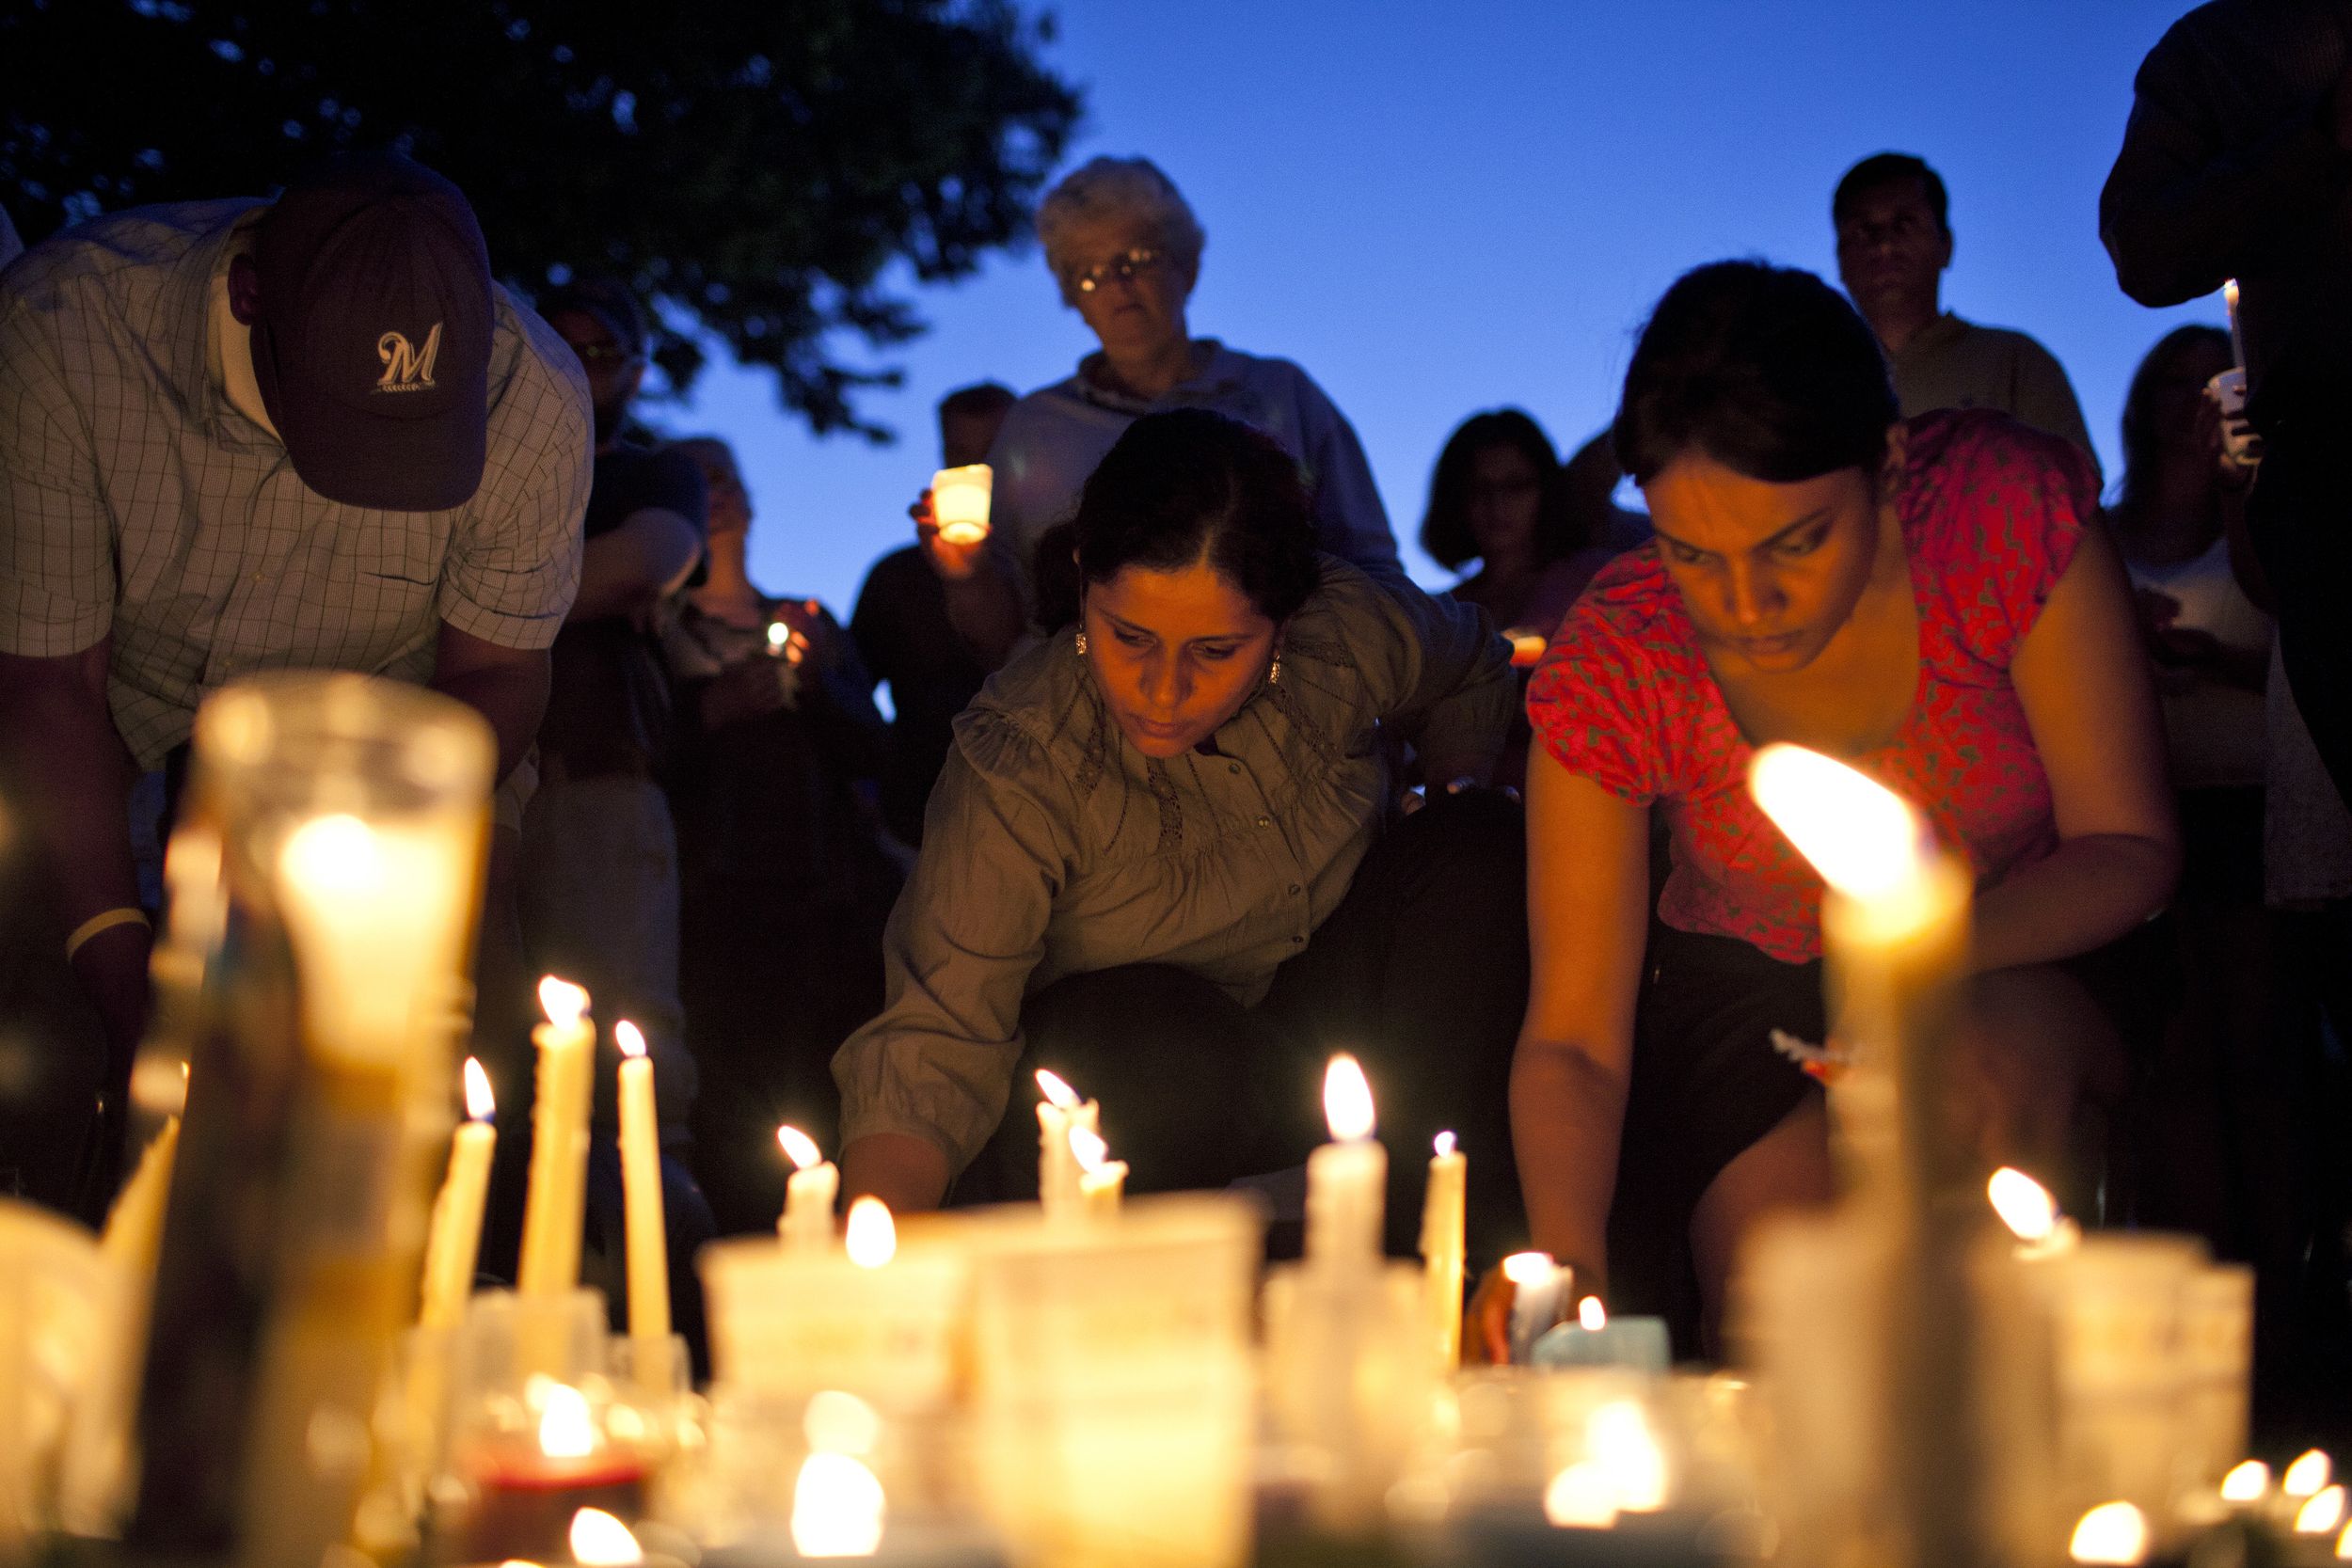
(1124, 268)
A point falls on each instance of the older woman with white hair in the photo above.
(1125, 249)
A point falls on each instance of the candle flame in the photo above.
(2112, 1533)
(2343, 1545)
(2322, 1514)
(2023, 1204)
(2229, 293)
(838, 1508)
(601, 1541)
(777, 633)
(871, 1238)
(836, 1422)
(1581, 1497)
(480, 1104)
(2311, 1471)
(1619, 1439)
(1347, 1099)
(1056, 1092)
(333, 854)
(565, 1429)
(630, 1038)
(561, 1001)
(2245, 1482)
(1858, 834)
(1591, 1314)
(1445, 1144)
(1088, 1148)
(800, 1148)
(1528, 1268)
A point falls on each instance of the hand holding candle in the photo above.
(959, 502)
(559, 1141)
(455, 1239)
(806, 1225)
(648, 1246)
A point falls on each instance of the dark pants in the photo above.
(2300, 513)
(1421, 972)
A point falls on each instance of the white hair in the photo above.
(1110, 189)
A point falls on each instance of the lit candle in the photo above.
(2237, 338)
(959, 498)
(870, 1237)
(600, 1540)
(559, 1141)
(1441, 1246)
(1537, 1287)
(2113, 1533)
(648, 1245)
(1347, 1178)
(806, 1224)
(2308, 1474)
(1057, 1166)
(1101, 1181)
(2031, 1215)
(1593, 1338)
(454, 1239)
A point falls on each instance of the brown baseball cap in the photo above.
(371, 343)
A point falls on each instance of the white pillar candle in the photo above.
(647, 1233)
(959, 502)
(1441, 1247)
(1101, 1181)
(1057, 1166)
(806, 1224)
(1347, 1179)
(1537, 1287)
(455, 1239)
(558, 1142)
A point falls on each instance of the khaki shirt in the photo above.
(1052, 847)
(1951, 363)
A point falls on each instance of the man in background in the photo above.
(1894, 243)
(926, 625)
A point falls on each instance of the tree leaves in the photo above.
(767, 171)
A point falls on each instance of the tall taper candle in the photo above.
(454, 1241)
(648, 1241)
(558, 1142)
(1441, 1247)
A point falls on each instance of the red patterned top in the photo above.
(1991, 514)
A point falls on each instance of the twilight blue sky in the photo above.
(1438, 208)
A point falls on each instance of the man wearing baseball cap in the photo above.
(240, 436)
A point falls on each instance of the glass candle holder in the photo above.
(959, 502)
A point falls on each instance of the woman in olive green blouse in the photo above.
(1159, 859)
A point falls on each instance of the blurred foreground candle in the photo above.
(600, 1540)
(1101, 1181)
(559, 1141)
(2113, 1533)
(2309, 1474)
(959, 499)
(1347, 1179)
(456, 1238)
(647, 1235)
(1441, 1247)
(134, 1224)
(519, 1491)
(1057, 1166)
(806, 1225)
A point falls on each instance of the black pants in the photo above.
(2300, 513)
(1421, 972)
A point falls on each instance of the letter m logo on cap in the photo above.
(408, 368)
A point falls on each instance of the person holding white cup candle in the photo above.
(1931, 600)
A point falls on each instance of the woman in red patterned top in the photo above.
(1930, 600)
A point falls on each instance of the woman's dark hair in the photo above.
(2143, 443)
(1445, 527)
(1766, 369)
(1189, 485)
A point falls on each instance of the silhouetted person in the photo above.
(914, 623)
(1894, 243)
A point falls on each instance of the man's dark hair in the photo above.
(1886, 168)
(1445, 527)
(1766, 369)
(1189, 485)
(976, 400)
(607, 299)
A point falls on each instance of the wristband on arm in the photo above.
(104, 921)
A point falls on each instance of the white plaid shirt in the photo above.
(135, 499)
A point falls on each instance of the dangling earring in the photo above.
(1082, 642)
(1274, 670)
